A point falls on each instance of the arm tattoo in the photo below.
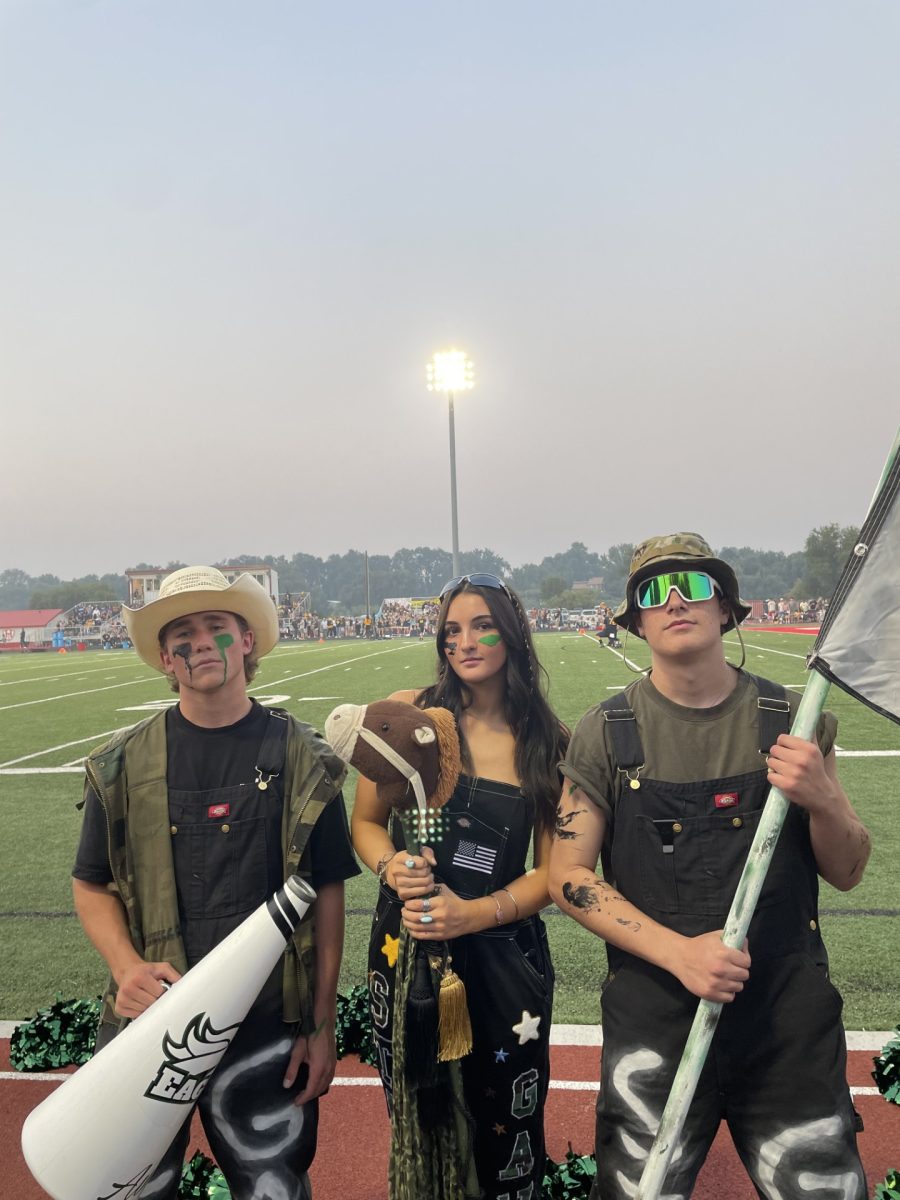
(560, 831)
(581, 896)
(633, 925)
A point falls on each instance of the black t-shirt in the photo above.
(201, 760)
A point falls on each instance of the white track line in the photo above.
(556, 1085)
(592, 1035)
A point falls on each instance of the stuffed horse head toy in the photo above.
(411, 754)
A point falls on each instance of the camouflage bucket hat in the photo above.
(684, 551)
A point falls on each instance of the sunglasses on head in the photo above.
(477, 579)
(690, 586)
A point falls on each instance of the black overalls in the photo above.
(226, 848)
(486, 832)
(776, 1070)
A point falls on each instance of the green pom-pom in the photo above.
(353, 1031)
(56, 1036)
(887, 1069)
(890, 1188)
(571, 1179)
(201, 1179)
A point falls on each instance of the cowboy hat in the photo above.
(201, 589)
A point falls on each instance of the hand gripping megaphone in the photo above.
(144, 1083)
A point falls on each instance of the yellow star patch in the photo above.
(391, 949)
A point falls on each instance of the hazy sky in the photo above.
(232, 234)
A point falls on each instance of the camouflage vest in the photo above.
(128, 775)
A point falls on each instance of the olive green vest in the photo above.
(128, 774)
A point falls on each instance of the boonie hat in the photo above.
(678, 551)
(201, 589)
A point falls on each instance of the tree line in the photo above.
(338, 583)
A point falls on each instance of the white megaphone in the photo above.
(145, 1082)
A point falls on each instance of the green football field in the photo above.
(54, 708)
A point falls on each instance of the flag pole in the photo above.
(742, 908)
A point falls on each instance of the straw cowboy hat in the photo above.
(201, 589)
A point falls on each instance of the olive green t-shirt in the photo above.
(681, 745)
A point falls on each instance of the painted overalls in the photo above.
(486, 832)
(226, 847)
(776, 1071)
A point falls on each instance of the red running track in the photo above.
(351, 1163)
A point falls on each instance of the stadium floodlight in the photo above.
(450, 372)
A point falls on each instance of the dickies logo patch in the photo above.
(726, 799)
(216, 811)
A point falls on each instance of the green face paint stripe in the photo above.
(490, 639)
(223, 641)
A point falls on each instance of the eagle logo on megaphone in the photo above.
(189, 1061)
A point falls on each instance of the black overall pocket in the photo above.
(692, 864)
(221, 867)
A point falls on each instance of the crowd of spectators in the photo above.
(788, 611)
(93, 622)
(101, 622)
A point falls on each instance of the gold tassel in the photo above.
(454, 1026)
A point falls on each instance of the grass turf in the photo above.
(55, 707)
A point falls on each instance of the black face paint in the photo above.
(582, 896)
(183, 650)
(450, 648)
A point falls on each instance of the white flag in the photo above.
(858, 646)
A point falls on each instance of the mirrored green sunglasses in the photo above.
(690, 586)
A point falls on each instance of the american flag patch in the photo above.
(474, 857)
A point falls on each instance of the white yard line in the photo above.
(70, 695)
(634, 666)
(96, 737)
(42, 770)
(867, 753)
(64, 746)
(52, 678)
(359, 658)
(767, 649)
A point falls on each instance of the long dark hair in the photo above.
(540, 738)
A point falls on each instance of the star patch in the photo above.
(501, 1055)
(498, 1129)
(391, 949)
(527, 1028)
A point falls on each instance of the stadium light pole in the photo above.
(450, 372)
